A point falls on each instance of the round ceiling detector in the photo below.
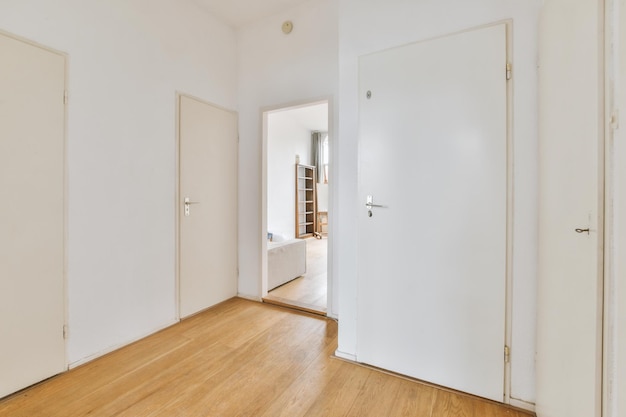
(287, 27)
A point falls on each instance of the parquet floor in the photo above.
(307, 292)
(240, 358)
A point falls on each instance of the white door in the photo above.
(208, 220)
(432, 261)
(32, 153)
(569, 305)
(617, 393)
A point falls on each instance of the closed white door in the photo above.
(32, 154)
(432, 260)
(208, 205)
(569, 341)
(617, 393)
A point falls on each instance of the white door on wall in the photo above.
(569, 308)
(32, 248)
(208, 205)
(618, 393)
(432, 260)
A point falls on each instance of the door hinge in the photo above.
(65, 97)
(615, 119)
(65, 332)
(509, 71)
(507, 354)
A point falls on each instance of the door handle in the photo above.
(188, 202)
(582, 230)
(369, 203)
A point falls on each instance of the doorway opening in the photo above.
(296, 190)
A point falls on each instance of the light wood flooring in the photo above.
(307, 292)
(240, 358)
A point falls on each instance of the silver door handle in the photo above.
(369, 202)
(188, 202)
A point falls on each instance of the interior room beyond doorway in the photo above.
(297, 206)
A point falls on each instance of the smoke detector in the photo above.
(287, 27)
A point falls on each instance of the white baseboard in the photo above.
(119, 346)
(344, 355)
(524, 405)
(250, 297)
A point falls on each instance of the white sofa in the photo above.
(285, 261)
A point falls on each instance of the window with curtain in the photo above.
(320, 154)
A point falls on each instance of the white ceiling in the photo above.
(313, 118)
(238, 13)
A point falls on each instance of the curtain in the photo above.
(317, 154)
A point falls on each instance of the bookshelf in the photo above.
(306, 216)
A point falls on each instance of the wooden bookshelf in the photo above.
(306, 216)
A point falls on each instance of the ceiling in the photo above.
(238, 13)
(312, 117)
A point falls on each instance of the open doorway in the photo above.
(297, 182)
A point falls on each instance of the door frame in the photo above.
(508, 301)
(65, 279)
(177, 195)
(332, 168)
(611, 31)
(508, 313)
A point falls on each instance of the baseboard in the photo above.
(250, 297)
(344, 355)
(118, 346)
(524, 405)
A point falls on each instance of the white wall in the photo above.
(286, 138)
(127, 58)
(276, 70)
(373, 25)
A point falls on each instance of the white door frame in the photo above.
(510, 200)
(332, 168)
(177, 195)
(612, 99)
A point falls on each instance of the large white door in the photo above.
(617, 393)
(432, 261)
(208, 221)
(569, 343)
(32, 154)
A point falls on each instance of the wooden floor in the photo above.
(307, 292)
(240, 358)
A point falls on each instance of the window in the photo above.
(325, 157)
